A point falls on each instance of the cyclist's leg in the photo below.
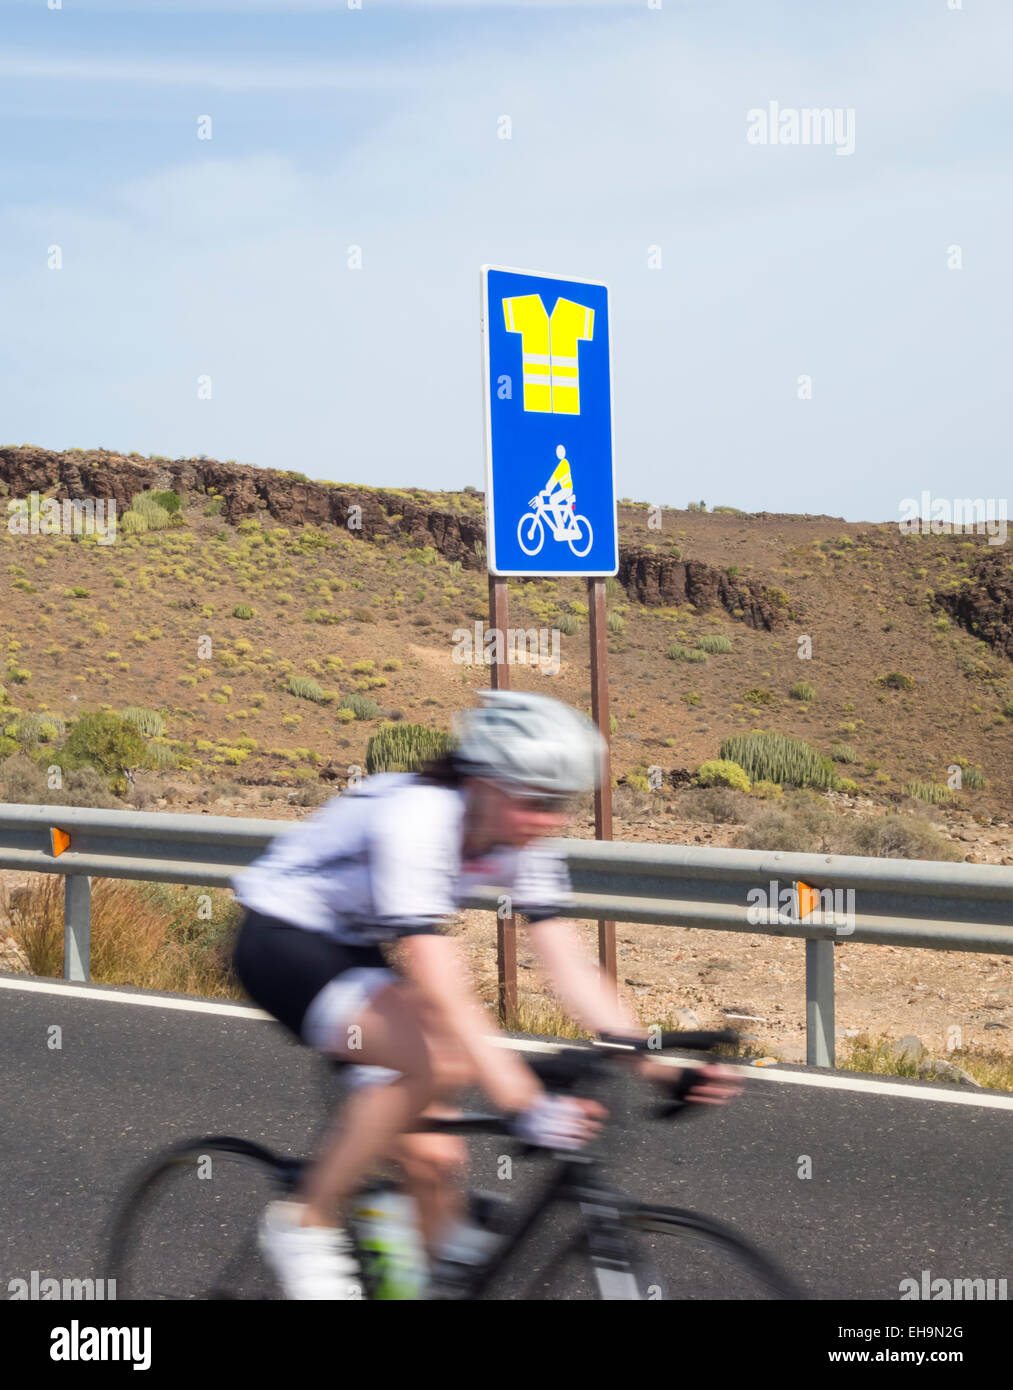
(433, 1168)
(434, 1165)
(345, 1002)
(392, 1035)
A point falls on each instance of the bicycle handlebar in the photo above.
(692, 1042)
(564, 1069)
(571, 1064)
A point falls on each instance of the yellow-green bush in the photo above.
(722, 772)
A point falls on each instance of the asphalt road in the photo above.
(900, 1183)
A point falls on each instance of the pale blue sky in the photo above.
(378, 127)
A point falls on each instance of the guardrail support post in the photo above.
(819, 1003)
(77, 928)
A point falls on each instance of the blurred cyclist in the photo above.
(389, 861)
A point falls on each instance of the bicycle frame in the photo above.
(574, 1179)
(544, 512)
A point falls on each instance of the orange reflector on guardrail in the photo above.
(60, 839)
(806, 899)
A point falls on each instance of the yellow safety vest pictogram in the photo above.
(561, 475)
(549, 350)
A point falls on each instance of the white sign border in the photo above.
(490, 529)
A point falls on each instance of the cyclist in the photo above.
(559, 503)
(388, 861)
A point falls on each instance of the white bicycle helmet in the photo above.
(530, 744)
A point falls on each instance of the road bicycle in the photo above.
(174, 1236)
(575, 529)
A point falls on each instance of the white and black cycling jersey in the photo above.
(384, 860)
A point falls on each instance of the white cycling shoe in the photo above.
(308, 1261)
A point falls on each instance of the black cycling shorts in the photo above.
(314, 985)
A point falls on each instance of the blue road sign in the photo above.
(550, 490)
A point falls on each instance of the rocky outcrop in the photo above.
(293, 500)
(245, 491)
(655, 579)
(985, 606)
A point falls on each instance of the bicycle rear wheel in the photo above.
(186, 1226)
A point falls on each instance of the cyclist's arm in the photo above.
(434, 965)
(582, 989)
(579, 984)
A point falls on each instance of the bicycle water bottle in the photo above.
(389, 1238)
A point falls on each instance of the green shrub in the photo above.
(242, 610)
(615, 623)
(33, 729)
(214, 507)
(714, 643)
(769, 757)
(7, 746)
(360, 705)
(757, 696)
(897, 680)
(160, 758)
(932, 792)
(306, 688)
(132, 523)
(802, 690)
(677, 652)
(107, 743)
(845, 784)
(973, 779)
(404, 747)
(767, 791)
(720, 772)
(148, 722)
(78, 591)
(171, 501)
(146, 505)
(20, 675)
(567, 624)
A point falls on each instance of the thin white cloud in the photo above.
(230, 77)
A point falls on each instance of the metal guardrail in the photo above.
(941, 906)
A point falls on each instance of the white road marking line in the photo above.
(843, 1082)
(111, 996)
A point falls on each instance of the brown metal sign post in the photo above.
(506, 927)
(600, 715)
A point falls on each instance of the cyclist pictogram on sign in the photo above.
(556, 505)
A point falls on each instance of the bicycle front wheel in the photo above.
(530, 533)
(679, 1255)
(186, 1226)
